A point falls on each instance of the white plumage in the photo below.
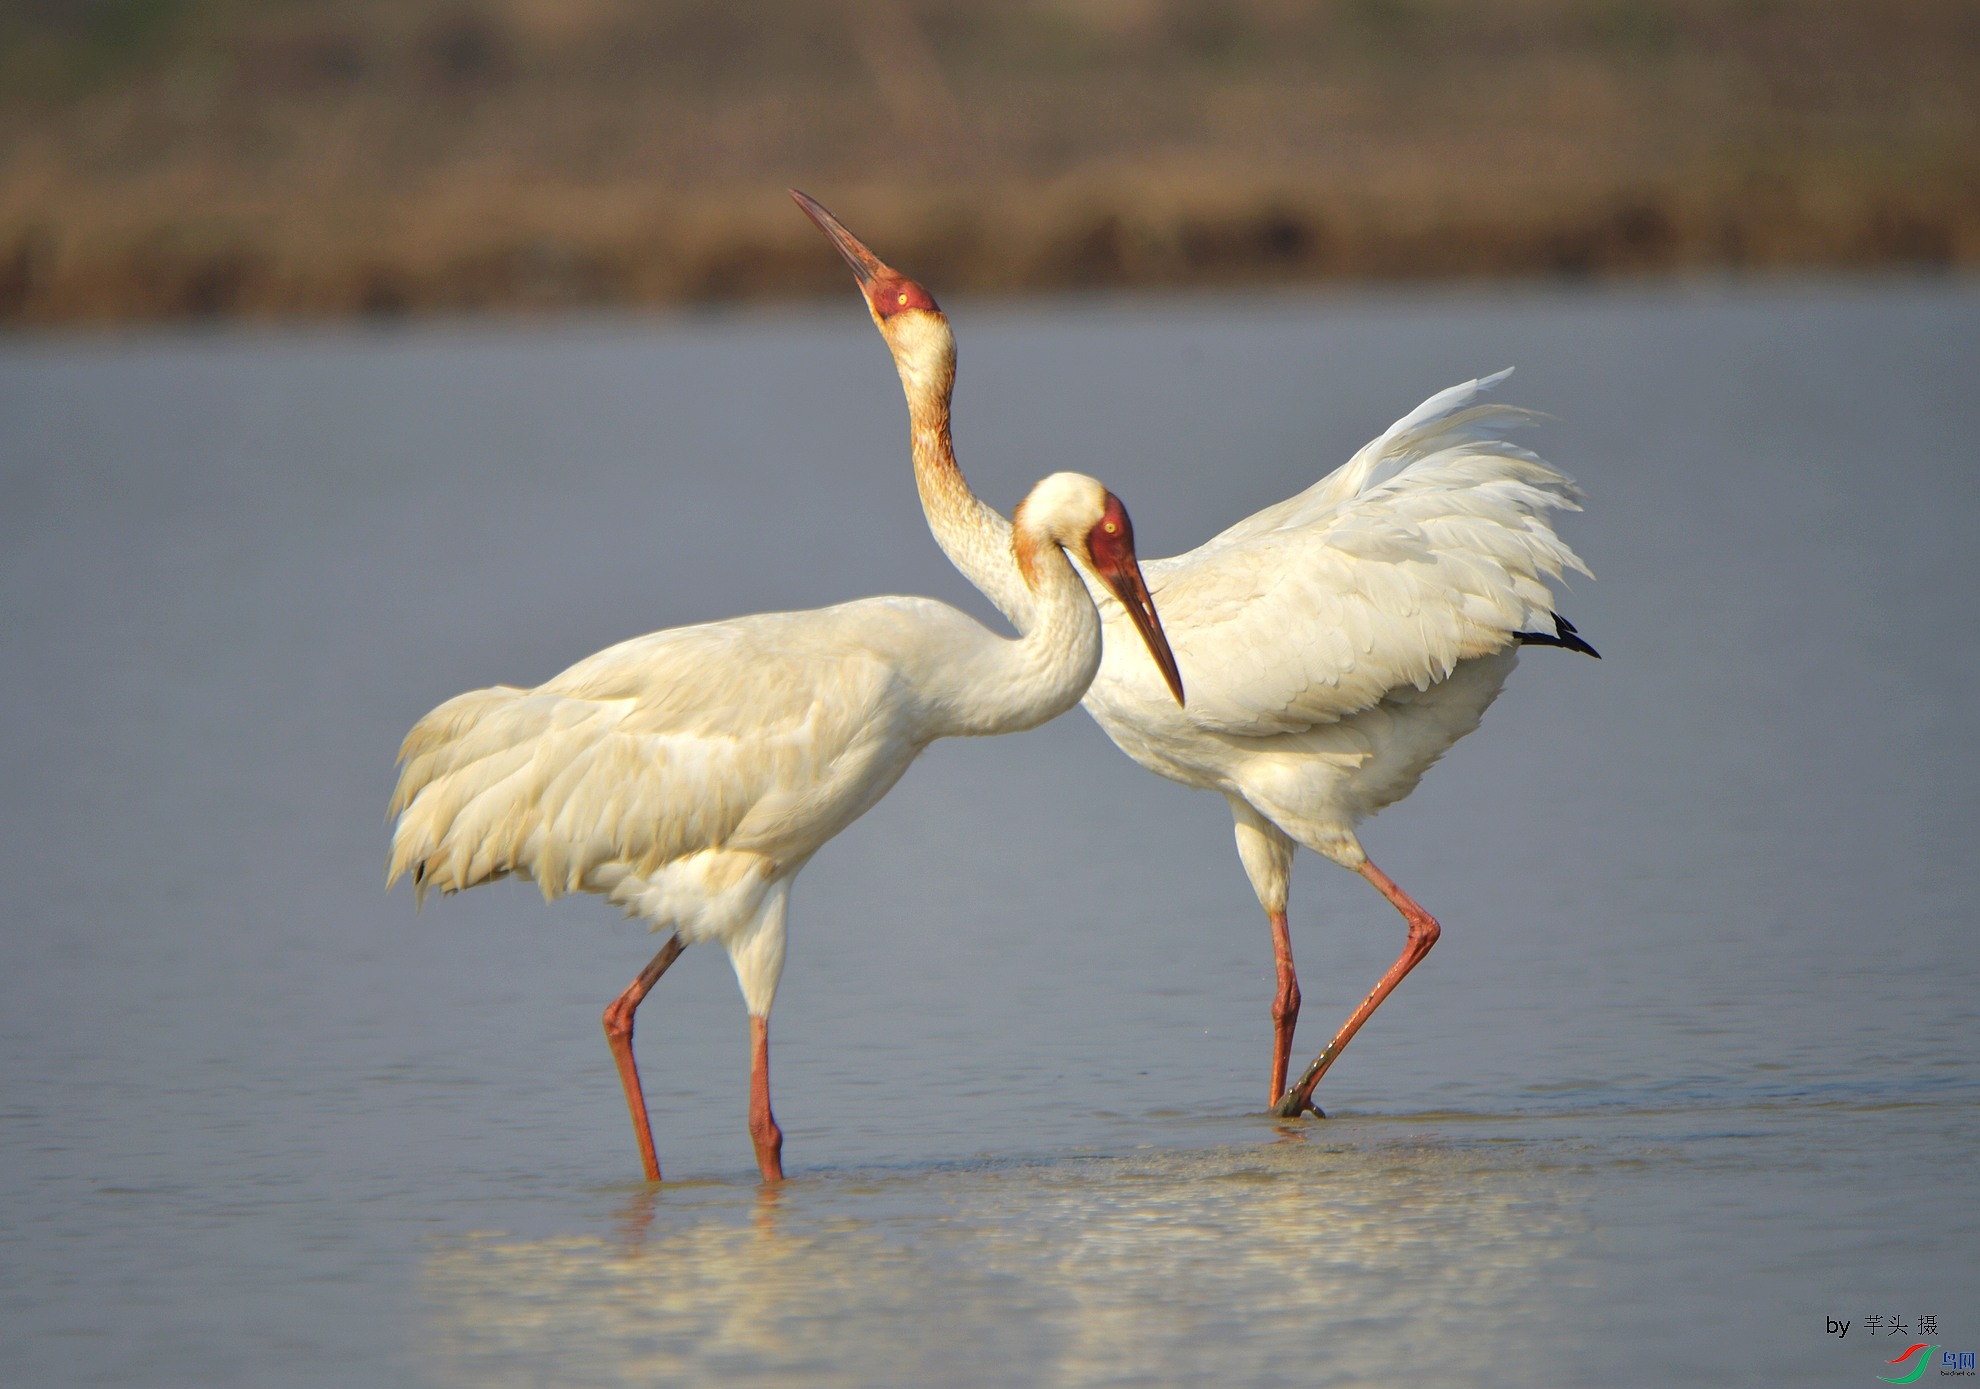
(1323, 637)
(689, 775)
(1335, 644)
(1430, 547)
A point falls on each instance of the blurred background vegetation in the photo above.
(184, 158)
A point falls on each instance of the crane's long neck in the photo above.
(1006, 686)
(972, 534)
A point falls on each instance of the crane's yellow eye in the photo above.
(903, 298)
(1111, 528)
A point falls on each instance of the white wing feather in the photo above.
(1432, 545)
(712, 737)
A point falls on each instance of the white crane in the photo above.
(690, 774)
(1336, 643)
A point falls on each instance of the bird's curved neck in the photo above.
(972, 534)
(1012, 685)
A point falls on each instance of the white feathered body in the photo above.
(689, 774)
(1335, 645)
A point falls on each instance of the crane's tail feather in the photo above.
(556, 788)
(461, 802)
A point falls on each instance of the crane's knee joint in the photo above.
(1423, 933)
(618, 1023)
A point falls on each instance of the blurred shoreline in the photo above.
(202, 159)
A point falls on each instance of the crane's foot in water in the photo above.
(1288, 1108)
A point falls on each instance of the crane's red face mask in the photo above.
(1110, 549)
(889, 297)
(887, 291)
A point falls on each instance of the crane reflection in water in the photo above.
(1222, 1266)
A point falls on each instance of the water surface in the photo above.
(1691, 1072)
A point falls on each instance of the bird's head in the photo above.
(1089, 523)
(916, 330)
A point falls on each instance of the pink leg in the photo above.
(1285, 1006)
(619, 1034)
(763, 1130)
(1423, 933)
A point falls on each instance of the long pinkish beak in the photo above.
(867, 266)
(1128, 586)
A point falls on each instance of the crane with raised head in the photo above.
(1336, 643)
(688, 775)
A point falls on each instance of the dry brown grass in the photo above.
(163, 158)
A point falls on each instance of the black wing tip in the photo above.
(1564, 635)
